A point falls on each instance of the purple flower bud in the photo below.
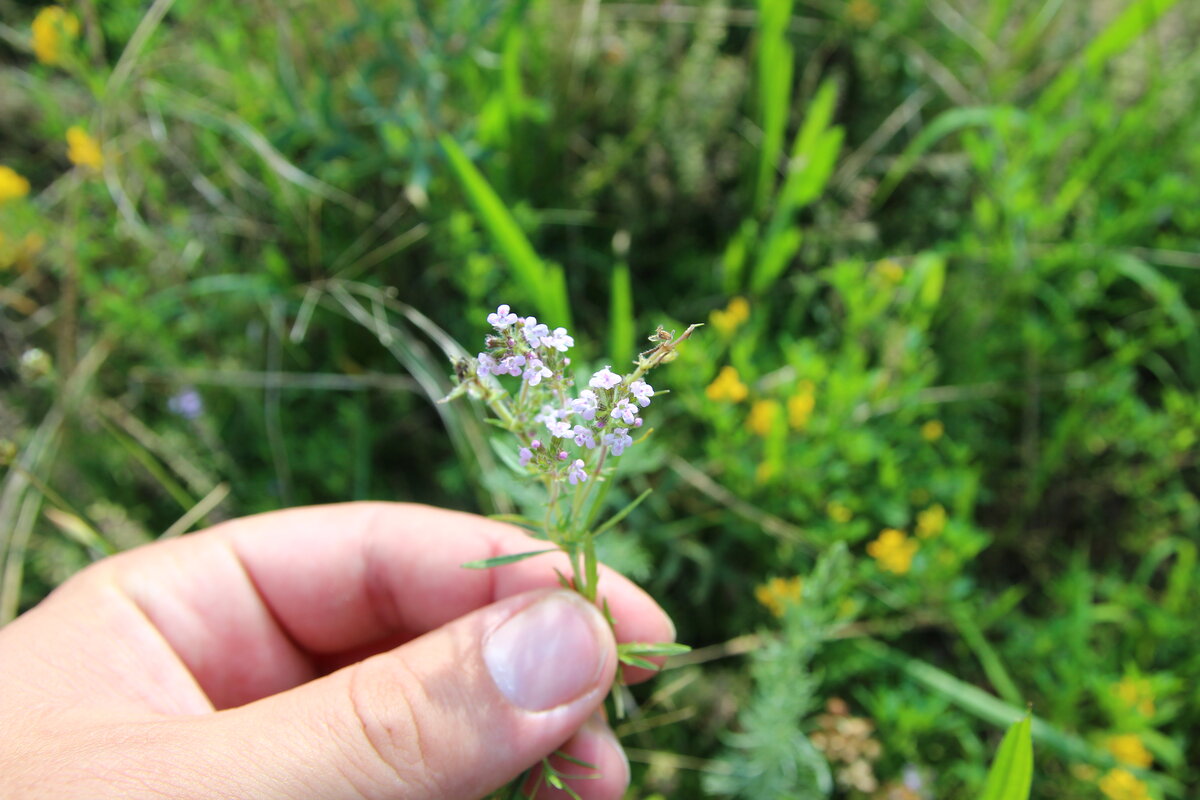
(535, 444)
(562, 455)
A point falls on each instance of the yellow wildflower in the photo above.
(839, 512)
(779, 593)
(53, 28)
(862, 12)
(82, 149)
(1137, 694)
(890, 271)
(1128, 749)
(728, 321)
(762, 417)
(12, 184)
(727, 386)
(932, 431)
(1120, 784)
(894, 551)
(931, 521)
(801, 404)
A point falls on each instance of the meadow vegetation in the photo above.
(932, 460)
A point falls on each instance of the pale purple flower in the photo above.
(534, 331)
(511, 365)
(562, 455)
(525, 456)
(584, 437)
(642, 392)
(487, 366)
(585, 404)
(559, 429)
(625, 411)
(186, 404)
(535, 444)
(576, 473)
(604, 379)
(617, 440)
(549, 414)
(502, 318)
(535, 371)
(559, 340)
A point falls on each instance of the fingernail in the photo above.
(548, 654)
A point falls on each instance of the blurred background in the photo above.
(931, 461)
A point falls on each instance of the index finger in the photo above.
(340, 582)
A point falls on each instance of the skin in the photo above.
(330, 652)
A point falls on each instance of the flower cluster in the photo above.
(893, 550)
(559, 430)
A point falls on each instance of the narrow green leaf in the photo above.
(777, 253)
(775, 65)
(543, 285)
(654, 648)
(1123, 31)
(950, 122)
(621, 345)
(620, 515)
(517, 519)
(500, 561)
(638, 661)
(1011, 775)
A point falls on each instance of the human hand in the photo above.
(330, 652)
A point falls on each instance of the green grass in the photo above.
(972, 216)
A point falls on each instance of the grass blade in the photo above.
(621, 345)
(544, 286)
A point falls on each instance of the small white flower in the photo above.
(534, 331)
(487, 366)
(511, 365)
(559, 340)
(604, 379)
(617, 440)
(642, 392)
(576, 473)
(624, 411)
(559, 429)
(535, 371)
(584, 437)
(585, 404)
(502, 318)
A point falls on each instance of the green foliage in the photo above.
(948, 257)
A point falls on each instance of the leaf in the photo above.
(947, 123)
(1011, 775)
(775, 64)
(545, 286)
(500, 561)
(620, 515)
(635, 653)
(1123, 31)
(517, 519)
(620, 315)
(654, 648)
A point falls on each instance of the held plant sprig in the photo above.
(567, 441)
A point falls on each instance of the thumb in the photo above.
(455, 713)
